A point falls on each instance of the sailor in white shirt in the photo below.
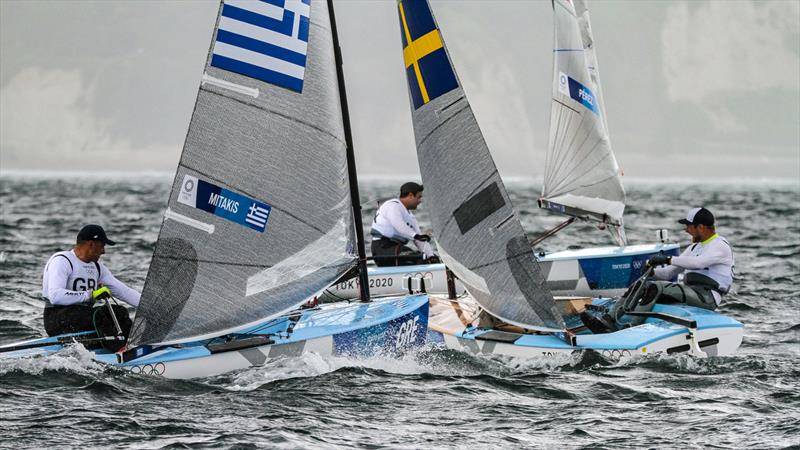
(394, 226)
(73, 280)
(707, 266)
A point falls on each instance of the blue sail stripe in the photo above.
(278, 3)
(284, 26)
(257, 72)
(261, 47)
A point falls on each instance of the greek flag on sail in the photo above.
(224, 203)
(267, 40)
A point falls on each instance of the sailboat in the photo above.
(508, 308)
(263, 213)
(581, 176)
(582, 180)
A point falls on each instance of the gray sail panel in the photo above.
(253, 144)
(581, 171)
(477, 232)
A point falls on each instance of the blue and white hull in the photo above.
(715, 335)
(600, 271)
(389, 326)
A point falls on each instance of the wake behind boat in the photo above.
(263, 214)
(509, 306)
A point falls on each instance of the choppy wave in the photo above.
(431, 398)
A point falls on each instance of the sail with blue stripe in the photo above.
(581, 174)
(259, 217)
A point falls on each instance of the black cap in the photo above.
(94, 233)
(698, 216)
(410, 188)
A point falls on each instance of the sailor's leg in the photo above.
(104, 324)
(691, 295)
(628, 302)
(384, 252)
(652, 292)
(67, 319)
(702, 298)
(409, 257)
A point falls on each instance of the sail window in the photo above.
(478, 207)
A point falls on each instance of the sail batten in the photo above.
(477, 231)
(266, 173)
(581, 172)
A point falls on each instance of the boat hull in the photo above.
(600, 271)
(716, 335)
(389, 326)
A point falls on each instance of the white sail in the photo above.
(582, 177)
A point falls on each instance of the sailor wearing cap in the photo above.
(710, 256)
(74, 279)
(394, 226)
(707, 265)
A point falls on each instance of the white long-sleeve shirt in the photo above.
(396, 222)
(712, 258)
(68, 281)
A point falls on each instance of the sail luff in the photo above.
(581, 172)
(259, 217)
(477, 231)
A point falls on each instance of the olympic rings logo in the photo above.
(615, 354)
(149, 369)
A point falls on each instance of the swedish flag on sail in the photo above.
(427, 67)
(267, 40)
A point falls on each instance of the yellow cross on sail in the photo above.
(427, 66)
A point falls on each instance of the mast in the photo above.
(363, 279)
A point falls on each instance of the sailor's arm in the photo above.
(669, 272)
(709, 257)
(119, 289)
(57, 274)
(666, 272)
(425, 248)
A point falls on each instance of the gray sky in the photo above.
(692, 88)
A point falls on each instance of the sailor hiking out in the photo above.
(707, 265)
(74, 282)
(394, 226)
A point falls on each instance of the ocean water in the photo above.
(432, 398)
